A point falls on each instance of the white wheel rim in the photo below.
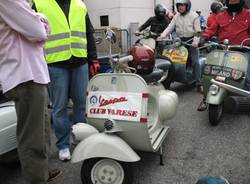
(107, 171)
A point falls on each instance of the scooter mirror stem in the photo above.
(226, 42)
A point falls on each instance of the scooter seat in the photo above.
(154, 76)
(162, 64)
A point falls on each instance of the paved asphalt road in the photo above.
(192, 149)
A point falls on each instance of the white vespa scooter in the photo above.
(8, 123)
(124, 113)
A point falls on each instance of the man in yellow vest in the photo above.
(69, 50)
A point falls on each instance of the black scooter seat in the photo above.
(161, 66)
(154, 76)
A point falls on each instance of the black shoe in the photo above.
(202, 106)
(53, 174)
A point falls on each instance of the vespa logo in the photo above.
(93, 100)
(104, 101)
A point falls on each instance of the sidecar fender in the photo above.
(105, 146)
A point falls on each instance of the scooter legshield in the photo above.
(218, 98)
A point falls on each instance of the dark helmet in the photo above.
(187, 2)
(212, 180)
(198, 11)
(235, 7)
(143, 59)
(160, 11)
(216, 7)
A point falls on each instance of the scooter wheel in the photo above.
(215, 113)
(105, 171)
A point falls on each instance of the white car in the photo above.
(8, 122)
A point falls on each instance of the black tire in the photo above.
(215, 113)
(91, 165)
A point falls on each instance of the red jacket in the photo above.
(211, 19)
(235, 28)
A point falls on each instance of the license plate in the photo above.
(221, 79)
(222, 71)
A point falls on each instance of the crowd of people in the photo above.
(50, 62)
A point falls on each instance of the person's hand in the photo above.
(203, 40)
(196, 41)
(137, 33)
(194, 44)
(94, 67)
(45, 21)
(162, 36)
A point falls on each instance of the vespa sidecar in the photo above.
(124, 114)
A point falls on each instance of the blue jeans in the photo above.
(67, 84)
(247, 84)
(194, 57)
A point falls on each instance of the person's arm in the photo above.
(91, 46)
(212, 29)
(170, 28)
(145, 25)
(197, 29)
(21, 18)
(94, 65)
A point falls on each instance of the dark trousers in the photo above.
(33, 130)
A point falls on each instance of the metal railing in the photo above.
(120, 47)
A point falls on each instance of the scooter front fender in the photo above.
(218, 98)
(105, 146)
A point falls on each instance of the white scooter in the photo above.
(8, 123)
(125, 113)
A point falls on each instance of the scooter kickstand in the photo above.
(161, 156)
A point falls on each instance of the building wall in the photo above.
(204, 6)
(123, 12)
(97, 8)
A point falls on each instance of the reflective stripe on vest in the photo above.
(66, 39)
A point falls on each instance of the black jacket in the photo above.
(156, 25)
(91, 47)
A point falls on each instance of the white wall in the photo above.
(97, 8)
(204, 6)
(122, 12)
(136, 11)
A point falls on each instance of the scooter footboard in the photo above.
(104, 146)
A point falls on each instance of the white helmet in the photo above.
(187, 2)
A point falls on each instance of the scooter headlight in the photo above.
(214, 89)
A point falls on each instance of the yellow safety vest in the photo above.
(67, 37)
